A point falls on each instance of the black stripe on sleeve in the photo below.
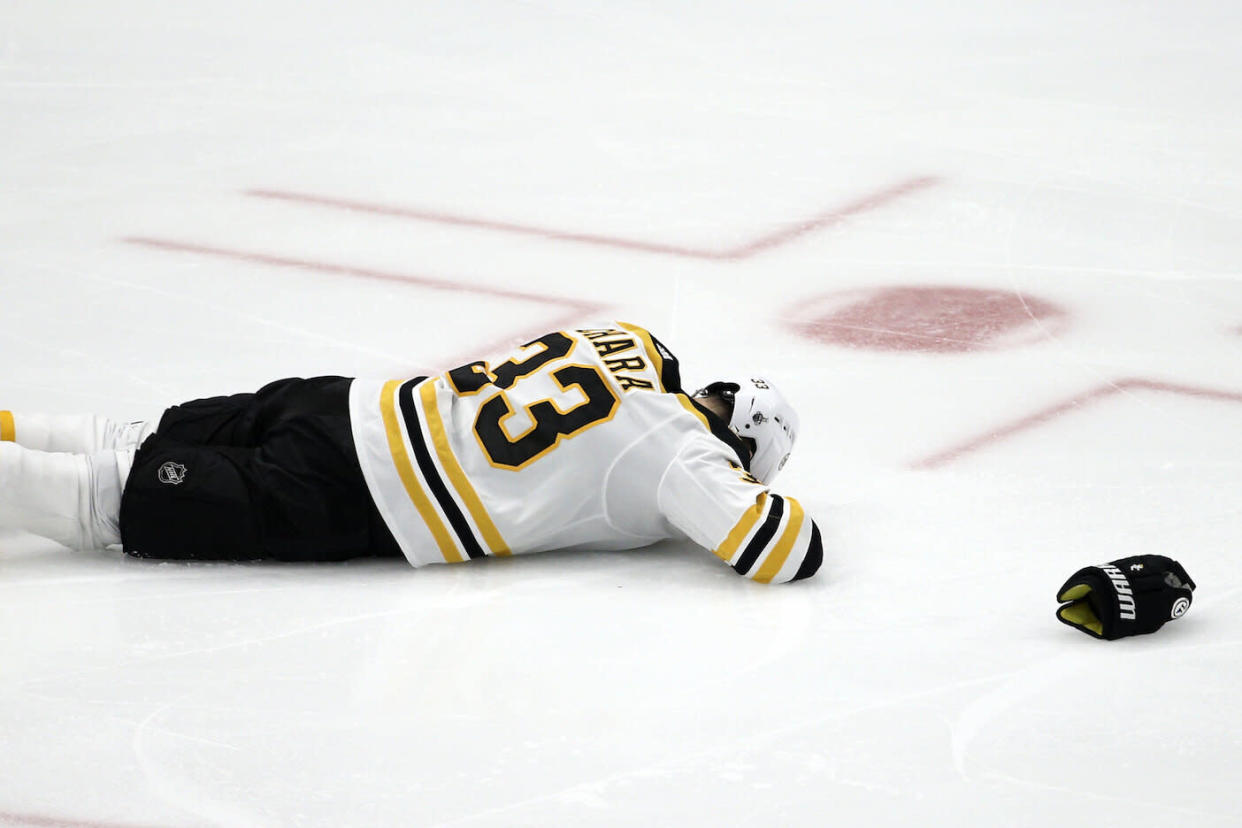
(434, 481)
(763, 537)
(814, 556)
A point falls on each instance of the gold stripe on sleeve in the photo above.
(739, 532)
(435, 424)
(405, 470)
(777, 557)
(8, 433)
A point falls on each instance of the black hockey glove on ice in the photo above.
(1131, 596)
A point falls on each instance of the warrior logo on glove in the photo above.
(1130, 596)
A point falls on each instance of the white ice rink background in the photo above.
(992, 248)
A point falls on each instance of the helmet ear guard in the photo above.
(762, 419)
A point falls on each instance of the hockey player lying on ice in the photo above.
(581, 439)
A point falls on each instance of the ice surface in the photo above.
(1083, 155)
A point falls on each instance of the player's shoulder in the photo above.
(616, 342)
(624, 345)
(705, 443)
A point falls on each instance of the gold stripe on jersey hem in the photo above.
(653, 353)
(8, 432)
(435, 424)
(777, 557)
(405, 470)
(741, 530)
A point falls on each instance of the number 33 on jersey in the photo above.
(580, 439)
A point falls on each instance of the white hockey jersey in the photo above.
(581, 439)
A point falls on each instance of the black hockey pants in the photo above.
(272, 474)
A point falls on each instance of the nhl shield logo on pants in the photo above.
(172, 473)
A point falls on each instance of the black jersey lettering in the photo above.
(555, 346)
(628, 383)
(551, 424)
(470, 378)
(625, 364)
(608, 347)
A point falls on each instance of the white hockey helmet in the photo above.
(763, 419)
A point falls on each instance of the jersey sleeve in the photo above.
(764, 536)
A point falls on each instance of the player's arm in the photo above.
(764, 536)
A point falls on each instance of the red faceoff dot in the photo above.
(929, 318)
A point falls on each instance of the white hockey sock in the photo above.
(76, 433)
(74, 499)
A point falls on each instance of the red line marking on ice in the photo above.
(9, 818)
(575, 309)
(780, 237)
(946, 456)
(348, 270)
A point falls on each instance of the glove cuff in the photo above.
(1101, 600)
(1129, 596)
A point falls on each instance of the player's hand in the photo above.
(1131, 596)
